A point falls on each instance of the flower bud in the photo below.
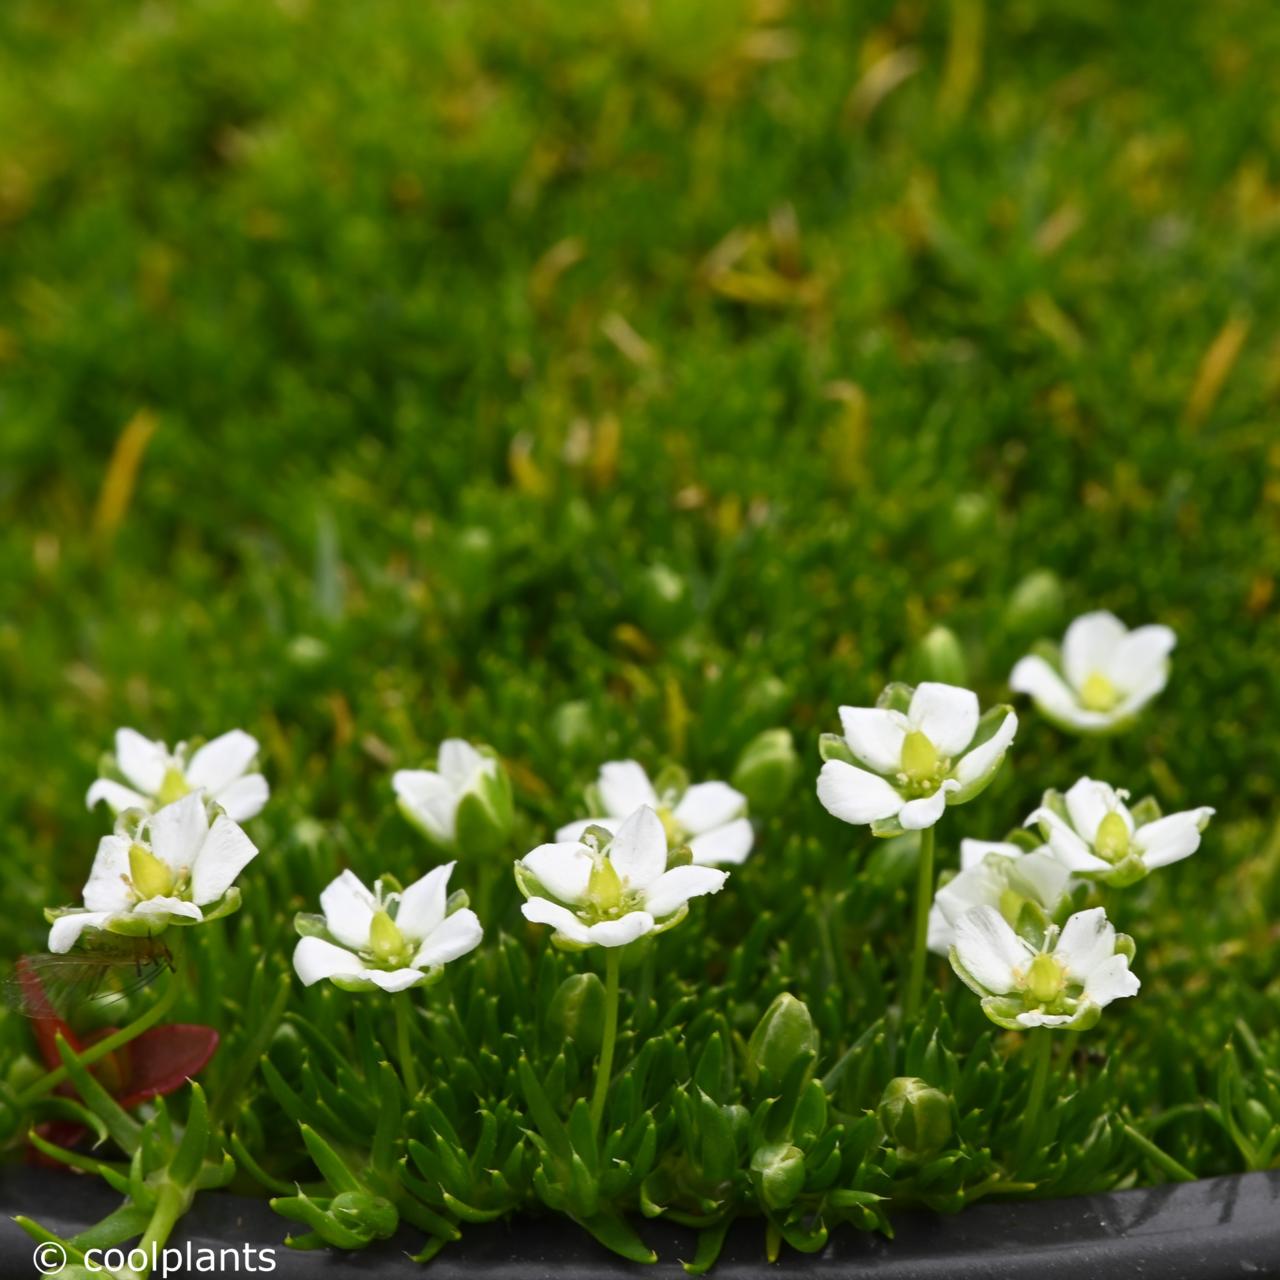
(767, 769)
(915, 1116)
(486, 813)
(572, 727)
(778, 1173)
(940, 657)
(365, 1214)
(1036, 604)
(783, 1034)
(662, 602)
(577, 1012)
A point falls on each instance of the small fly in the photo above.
(106, 972)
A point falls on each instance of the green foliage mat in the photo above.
(621, 381)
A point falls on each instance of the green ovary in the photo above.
(386, 942)
(1098, 693)
(1112, 841)
(173, 787)
(919, 757)
(1045, 979)
(150, 877)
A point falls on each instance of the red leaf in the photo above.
(160, 1060)
(44, 1021)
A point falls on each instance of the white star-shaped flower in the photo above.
(608, 889)
(900, 763)
(1102, 676)
(1000, 875)
(1094, 833)
(710, 817)
(177, 867)
(153, 776)
(1065, 981)
(463, 804)
(385, 940)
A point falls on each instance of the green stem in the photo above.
(171, 1203)
(1041, 1049)
(109, 1044)
(919, 949)
(404, 1012)
(605, 1068)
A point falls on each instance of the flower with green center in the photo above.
(1095, 835)
(152, 776)
(1000, 875)
(386, 940)
(1100, 678)
(710, 817)
(608, 889)
(464, 804)
(174, 867)
(1063, 979)
(900, 763)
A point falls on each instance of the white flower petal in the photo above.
(674, 888)
(1141, 659)
(972, 852)
(459, 761)
(429, 799)
(854, 795)
(1035, 1018)
(1111, 980)
(1088, 802)
(1172, 838)
(453, 937)
(707, 805)
(1087, 939)
(164, 906)
(563, 869)
(723, 846)
(915, 815)
(1089, 645)
(1044, 875)
(624, 787)
(245, 797)
(422, 905)
(226, 852)
(393, 980)
(107, 888)
(222, 760)
(977, 887)
(574, 831)
(617, 933)
(315, 959)
(875, 736)
(542, 911)
(946, 714)
(1036, 678)
(639, 850)
(348, 910)
(989, 950)
(142, 761)
(941, 932)
(177, 831)
(975, 765)
(66, 930)
(117, 796)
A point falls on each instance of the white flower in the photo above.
(1102, 677)
(464, 803)
(157, 776)
(999, 875)
(1065, 981)
(176, 868)
(610, 890)
(1093, 833)
(709, 816)
(917, 751)
(391, 941)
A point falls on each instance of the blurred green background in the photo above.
(371, 373)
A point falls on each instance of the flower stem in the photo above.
(404, 1055)
(1041, 1050)
(605, 1068)
(171, 1204)
(919, 949)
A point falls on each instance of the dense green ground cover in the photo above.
(602, 381)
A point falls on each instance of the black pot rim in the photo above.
(1217, 1227)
